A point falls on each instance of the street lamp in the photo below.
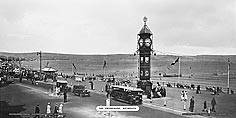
(40, 64)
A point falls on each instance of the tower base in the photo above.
(146, 86)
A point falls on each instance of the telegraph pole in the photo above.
(40, 64)
(228, 76)
(21, 74)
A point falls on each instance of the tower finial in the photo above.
(145, 19)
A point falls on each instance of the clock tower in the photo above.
(145, 48)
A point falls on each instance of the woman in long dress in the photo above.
(48, 108)
(60, 110)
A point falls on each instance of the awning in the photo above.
(62, 81)
(49, 70)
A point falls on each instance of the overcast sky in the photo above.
(186, 27)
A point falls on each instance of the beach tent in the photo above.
(49, 73)
(61, 83)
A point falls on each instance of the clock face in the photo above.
(140, 42)
(148, 42)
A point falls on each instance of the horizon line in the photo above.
(115, 53)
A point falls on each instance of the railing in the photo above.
(39, 115)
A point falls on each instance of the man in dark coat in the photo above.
(21, 75)
(191, 106)
(106, 88)
(204, 106)
(164, 92)
(65, 96)
(56, 109)
(198, 89)
(213, 103)
(91, 84)
(37, 110)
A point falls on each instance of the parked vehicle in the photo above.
(129, 95)
(80, 90)
(62, 85)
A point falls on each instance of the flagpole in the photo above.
(103, 70)
(104, 67)
(228, 74)
(72, 69)
(179, 67)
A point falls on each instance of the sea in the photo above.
(194, 70)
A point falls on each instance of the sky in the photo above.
(183, 27)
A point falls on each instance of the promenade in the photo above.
(225, 108)
(226, 104)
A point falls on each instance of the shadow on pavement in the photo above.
(4, 85)
(5, 109)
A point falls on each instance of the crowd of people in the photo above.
(158, 91)
(215, 90)
(57, 113)
(184, 96)
(210, 109)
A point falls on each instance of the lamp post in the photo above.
(40, 64)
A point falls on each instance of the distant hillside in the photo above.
(34, 56)
(58, 56)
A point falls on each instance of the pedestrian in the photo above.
(199, 89)
(164, 92)
(32, 81)
(91, 84)
(214, 90)
(52, 89)
(60, 109)
(56, 109)
(191, 106)
(182, 95)
(213, 103)
(185, 96)
(48, 108)
(218, 90)
(65, 96)
(106, 88)
(37, 110)
(57, 90)
(21, 74)
(185, 99)
(232, 92)
(108, 94)
(204, 106)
